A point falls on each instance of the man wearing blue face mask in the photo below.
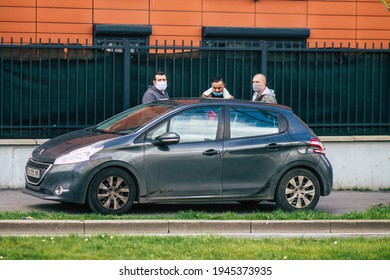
(217, 90)
(158, 90)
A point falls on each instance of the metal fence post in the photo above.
(126, 75)
(264, 58)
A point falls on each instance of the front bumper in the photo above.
(73, 178)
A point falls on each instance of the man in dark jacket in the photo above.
(158, 90)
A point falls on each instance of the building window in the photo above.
(254, 37)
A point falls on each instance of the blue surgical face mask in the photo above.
(217, 93)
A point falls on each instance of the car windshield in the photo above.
(130, 120)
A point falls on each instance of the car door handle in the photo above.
(273, 147)
(211, 152)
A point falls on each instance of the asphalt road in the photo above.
(338, 202)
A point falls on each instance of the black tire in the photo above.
(299, 189)
(111, 191)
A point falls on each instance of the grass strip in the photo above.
(378, 212)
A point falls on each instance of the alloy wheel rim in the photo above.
(113, 193)
(300, 192)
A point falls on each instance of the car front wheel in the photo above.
(111, 191)
(299, 189)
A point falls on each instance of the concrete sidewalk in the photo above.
(248, 228)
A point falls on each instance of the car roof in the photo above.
(190, 101)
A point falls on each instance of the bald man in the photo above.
(261, 92)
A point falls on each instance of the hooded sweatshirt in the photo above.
(268, 96)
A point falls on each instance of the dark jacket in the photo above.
(153, 94)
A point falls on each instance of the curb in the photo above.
(194, 227)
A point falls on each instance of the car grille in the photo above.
(42, 169)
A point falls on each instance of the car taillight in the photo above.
(317, 146)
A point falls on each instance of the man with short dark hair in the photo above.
(217, 89)
(158, 90)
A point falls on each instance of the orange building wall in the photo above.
(330, 21)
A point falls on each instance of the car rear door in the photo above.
(191, 167)
(254, 149)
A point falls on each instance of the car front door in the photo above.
(254, 150)
(191, 167)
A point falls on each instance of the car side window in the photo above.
(194, 125)
(248, 122)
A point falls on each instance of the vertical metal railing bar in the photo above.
(59, 86)
(126, 74)
(173, 78)
(77, 92)
(95, 86)
(182, 69)
(283, 79)
(356, 94)
(388, 90)
(165, 56)
(200, 72)
(113, 73)
(307, 85)
(332, 86)
(191, 85)
(2, 87)
(264, 58)
(12, 88)
(340, 90)
(49, 124)
(233, 82)
(40, 88)
(139, 97)
(277, 86)
(348, 85)
(252, 72)
(299, 80)
(380, 85)
(372, 91)
(364, 97)
(104, 84)
(86, 111)
(316, 84)
(20, 88)
(243, 78)
(208, 65)
(68, 113)
(30, 90)
(324, 93)
(291, 77)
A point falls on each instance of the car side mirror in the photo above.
(167, 139)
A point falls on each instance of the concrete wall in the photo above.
(358, 161)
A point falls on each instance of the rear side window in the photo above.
(249, 122)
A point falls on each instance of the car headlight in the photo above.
(79, 155)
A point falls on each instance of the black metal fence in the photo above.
(50, 89)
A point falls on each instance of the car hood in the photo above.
(61, 145)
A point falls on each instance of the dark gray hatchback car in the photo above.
(185, 150)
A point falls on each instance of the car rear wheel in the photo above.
(299, 189)
(111, 191)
